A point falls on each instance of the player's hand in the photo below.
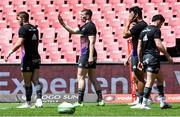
(170, 60)
(90, 60)
(140, 66)
(60, 19)
(8, 55)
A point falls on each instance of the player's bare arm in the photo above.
(92, 40)
(16, 46)
(128, 26)
(139, 49)
(163, 50)
(68, 28)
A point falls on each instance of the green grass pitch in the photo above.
(90, 109)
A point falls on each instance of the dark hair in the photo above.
(158, 17)
(23, 15)
(88, 12)
(136, 10)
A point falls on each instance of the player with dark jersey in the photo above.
(133, 29)
(88, 29)
(149, 49)
(88, 57)
(30, 64)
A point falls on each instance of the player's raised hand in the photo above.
(60, 20)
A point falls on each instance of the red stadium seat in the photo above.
(119, 8)
(171, 1)
(3, 24)
(38, 16)
(31, 2)
(70, 57)
(64, 8)
(109, 15)
(17, 2)
(45, 2)
(9, 16)
(77, 8)
(114, 2)
(14, 24)
(72, 2)
(157, 1)
(5, 35)
(35, 9)
(52, 16)
(102, 56)
(8, 9)
(170, 40)
(86, 1)
(21, 8)
(49, 8)
(4, 2)
(142, 1)
(112, 46)
(66, 47)
(116, 56)
(129, 2)
(100, 1)
(48, 35)
(52, 47)
(43, 24)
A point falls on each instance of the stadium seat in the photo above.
(72, 2)
(67, 16)
(119, 8)
(70, 57)
(163, 6)
(52, 47)
(9, 16)
(4, 2)
(148, 7)
(31, 2)
(86, 1)
(156, 1)
(45, 2)
(48, 35)
(14, 24)
(21, 8)
(106, 7)
(38, 16)
(128, 2)
(3, 24)
(66, 47)
(109, 15)
(35, 9)
(100, 2)
(77, 8)
(64, 8)
(143, 1)
(112, 46)
(114, 2)
(52, 16)
(8, 9)
(49, 8)
(171, 1)
(116, 56)
(96, 16)
(43, 24)
(17, 2)
(102, 56)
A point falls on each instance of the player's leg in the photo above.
(26, 68)
(160, 87)
(147, 90)
(92, 78)
(81, 74)
(37, 84)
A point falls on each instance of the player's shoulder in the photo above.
(91, 24)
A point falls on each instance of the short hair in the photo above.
(158, 17)
(88, 12)
(23, 15)
(136, 10)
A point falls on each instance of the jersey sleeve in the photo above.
(157, 34)
(92, 30)
(22, 32)
(141, 36)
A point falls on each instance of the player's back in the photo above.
(147, 36)
(31, 41)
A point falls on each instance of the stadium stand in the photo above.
(57, 45)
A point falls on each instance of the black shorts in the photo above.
(134, 63)
(30, 65)
(83, 62)
(151, 63)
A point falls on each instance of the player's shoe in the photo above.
(101, 103)
(149, 102)
(134, 103)
(165, 105)
(145, 107)
(77, 104)
(39, 103)
(138, 105)
(25, 105)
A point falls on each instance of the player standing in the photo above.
(30, 64)
(133, 28)
(88, 57)
(149, 49)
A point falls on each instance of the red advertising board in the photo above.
(61, 79)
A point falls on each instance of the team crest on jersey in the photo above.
(34, 37)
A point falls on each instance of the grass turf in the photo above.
(90, 109)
